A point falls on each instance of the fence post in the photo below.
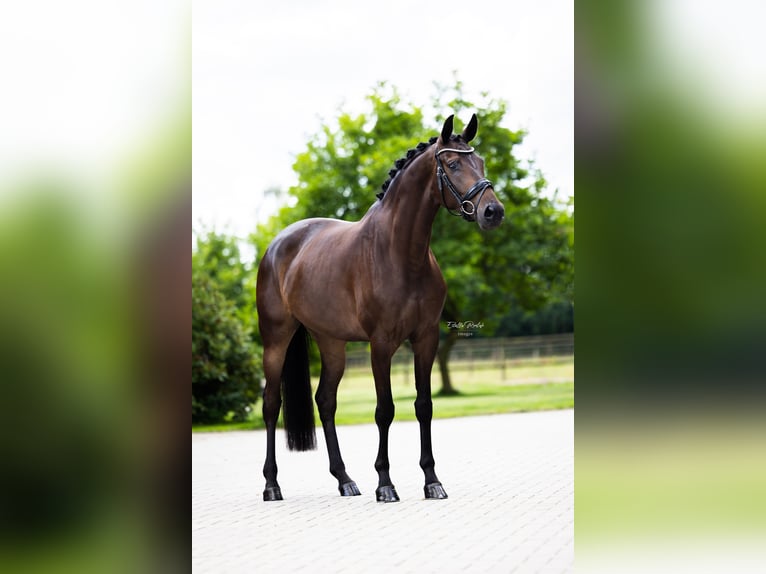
(406, 373)
(502, 362)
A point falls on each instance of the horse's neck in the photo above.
(406, 215)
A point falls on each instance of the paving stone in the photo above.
(510, 508)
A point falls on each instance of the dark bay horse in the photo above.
(373, 280)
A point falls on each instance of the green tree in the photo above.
(226, 360)
(526, 263)
(219, 256)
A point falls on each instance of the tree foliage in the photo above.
(226, 361)
(525, 264)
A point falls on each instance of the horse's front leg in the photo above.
(424, 347)
(384, 416)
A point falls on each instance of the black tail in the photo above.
(297, 402)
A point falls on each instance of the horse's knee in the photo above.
(384, 414)
(424, 408)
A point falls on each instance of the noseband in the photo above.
(467, 206)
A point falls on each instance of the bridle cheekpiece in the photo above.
(467, 205)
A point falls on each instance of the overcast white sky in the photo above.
(87, 84)
(266, 74)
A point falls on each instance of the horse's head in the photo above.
(460, 178)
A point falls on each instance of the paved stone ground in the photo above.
(510, 508)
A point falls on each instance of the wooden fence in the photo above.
(469, 354)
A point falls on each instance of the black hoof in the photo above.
(349, 489)
(272, 493)
(435, 490)
(386, 494)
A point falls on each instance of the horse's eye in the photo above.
(453, 164)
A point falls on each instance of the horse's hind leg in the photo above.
(333, 353)
(277, 329)
(273, 361)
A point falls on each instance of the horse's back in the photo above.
(296, 237)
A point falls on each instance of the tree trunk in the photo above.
(442, 354)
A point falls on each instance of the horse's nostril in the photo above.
(494, 211)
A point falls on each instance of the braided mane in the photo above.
(401, 163)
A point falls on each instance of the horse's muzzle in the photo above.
(491, 215)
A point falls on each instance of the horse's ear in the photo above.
(470, 130)
(447, 129)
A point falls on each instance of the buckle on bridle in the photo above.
(464, 210)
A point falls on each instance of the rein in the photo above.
(478, 188)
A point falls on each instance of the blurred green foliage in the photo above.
(226, 361)
(86, 409)
(94, 307)
(671, 277)
(672, 267)
(525, 264)
(64, 351)
(218, 256)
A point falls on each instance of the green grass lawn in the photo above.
(530, 385)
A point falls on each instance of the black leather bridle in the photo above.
(443, 181)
